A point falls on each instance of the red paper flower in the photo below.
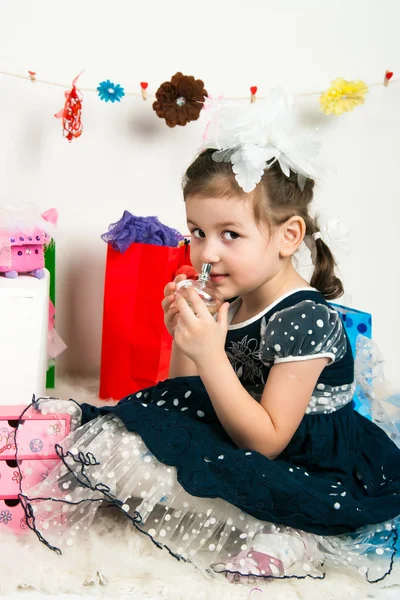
(71, 114)
(187, 270)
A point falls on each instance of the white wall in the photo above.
(128, 158)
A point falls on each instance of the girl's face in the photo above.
(244, 255)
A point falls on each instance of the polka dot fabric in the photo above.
(182, 482)
(162, 459)
(301, 332)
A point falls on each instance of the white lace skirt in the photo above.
(105, 465)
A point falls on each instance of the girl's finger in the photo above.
(180, 277)
(222, 318)
(198, 305)
(185, 312)
(169, 288)
(167, 301)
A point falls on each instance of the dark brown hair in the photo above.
(275, 199)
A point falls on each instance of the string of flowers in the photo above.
(139, 94)
(182, 99)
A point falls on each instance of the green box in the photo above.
(50, 264)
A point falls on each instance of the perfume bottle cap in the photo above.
(206, 270)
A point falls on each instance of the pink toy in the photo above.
(27, 455)
(35, 437)
(22, 245)
(32, 471)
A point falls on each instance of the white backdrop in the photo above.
(129, 159)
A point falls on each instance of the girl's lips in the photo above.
(217, 278)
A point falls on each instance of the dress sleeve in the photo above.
(302, 332)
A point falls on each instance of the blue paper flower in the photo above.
(110, 91)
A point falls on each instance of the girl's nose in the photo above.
(209, 254)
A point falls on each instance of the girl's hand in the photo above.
(169, 305)
(200, 337)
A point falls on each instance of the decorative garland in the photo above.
(71, 113)
(182, 99)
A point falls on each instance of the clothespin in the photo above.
(144, 85)
(32, 76)
(253, 91)
(388, 77)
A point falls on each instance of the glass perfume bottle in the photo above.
(211, 298)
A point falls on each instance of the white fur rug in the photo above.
(124, 564)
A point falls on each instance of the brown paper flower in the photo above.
(180, 100)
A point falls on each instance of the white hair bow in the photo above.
(255, 136)
(335, 234)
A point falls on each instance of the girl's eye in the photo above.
(198, 233)
(233, 235)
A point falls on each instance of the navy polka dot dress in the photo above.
(161, 457)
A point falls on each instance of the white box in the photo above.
(24, 317)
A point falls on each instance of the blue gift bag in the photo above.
(356, 322)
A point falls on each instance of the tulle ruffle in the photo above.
(378, 401)
(104, 464)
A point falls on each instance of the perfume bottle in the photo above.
(204, 288)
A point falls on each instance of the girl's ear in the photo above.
(292, 234)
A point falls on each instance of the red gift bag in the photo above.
(136, 346)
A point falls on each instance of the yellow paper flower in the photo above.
(343, 96)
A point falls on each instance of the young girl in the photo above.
(250, 460)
